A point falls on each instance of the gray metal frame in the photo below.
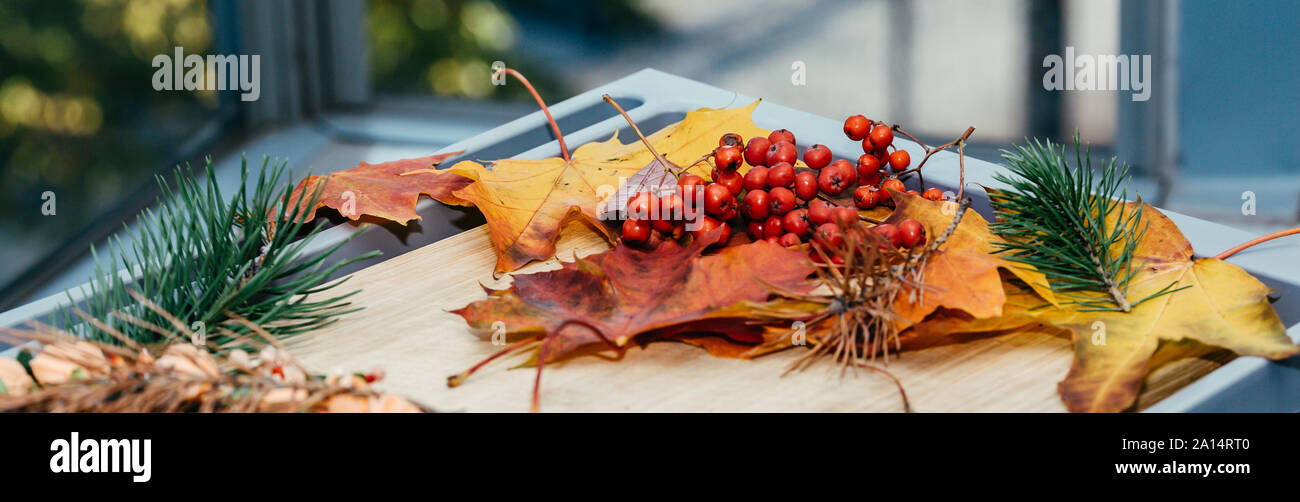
(313, 55)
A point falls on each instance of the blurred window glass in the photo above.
(446, 48)
(79, 117)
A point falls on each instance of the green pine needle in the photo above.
(200, 255)
(1054, 217)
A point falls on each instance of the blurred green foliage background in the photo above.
(447, 47)
(77, 113)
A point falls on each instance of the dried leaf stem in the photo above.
(542, 350)
(564, 149)
(1258, 240)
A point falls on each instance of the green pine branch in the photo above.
(1057, 218)
(200, 255)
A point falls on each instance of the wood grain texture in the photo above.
(406, 329)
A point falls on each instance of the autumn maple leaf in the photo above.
(388, 190)
(1219, 304)
(616, 299)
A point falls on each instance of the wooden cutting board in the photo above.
(406, 329)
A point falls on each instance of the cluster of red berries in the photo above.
(879, 153)
(778, 202)
(832, 223)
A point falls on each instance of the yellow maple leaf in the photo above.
(1219, 305)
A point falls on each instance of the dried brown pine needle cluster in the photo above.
(71, 375)
(861, 280)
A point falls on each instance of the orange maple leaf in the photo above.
(962, 274)
(388, 190)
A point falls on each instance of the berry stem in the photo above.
(960, 143)
(899, 129)
(663, 161)
(961, 169)
(962, 206)
(564, 149)
(697, 161)
(1238, 248)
